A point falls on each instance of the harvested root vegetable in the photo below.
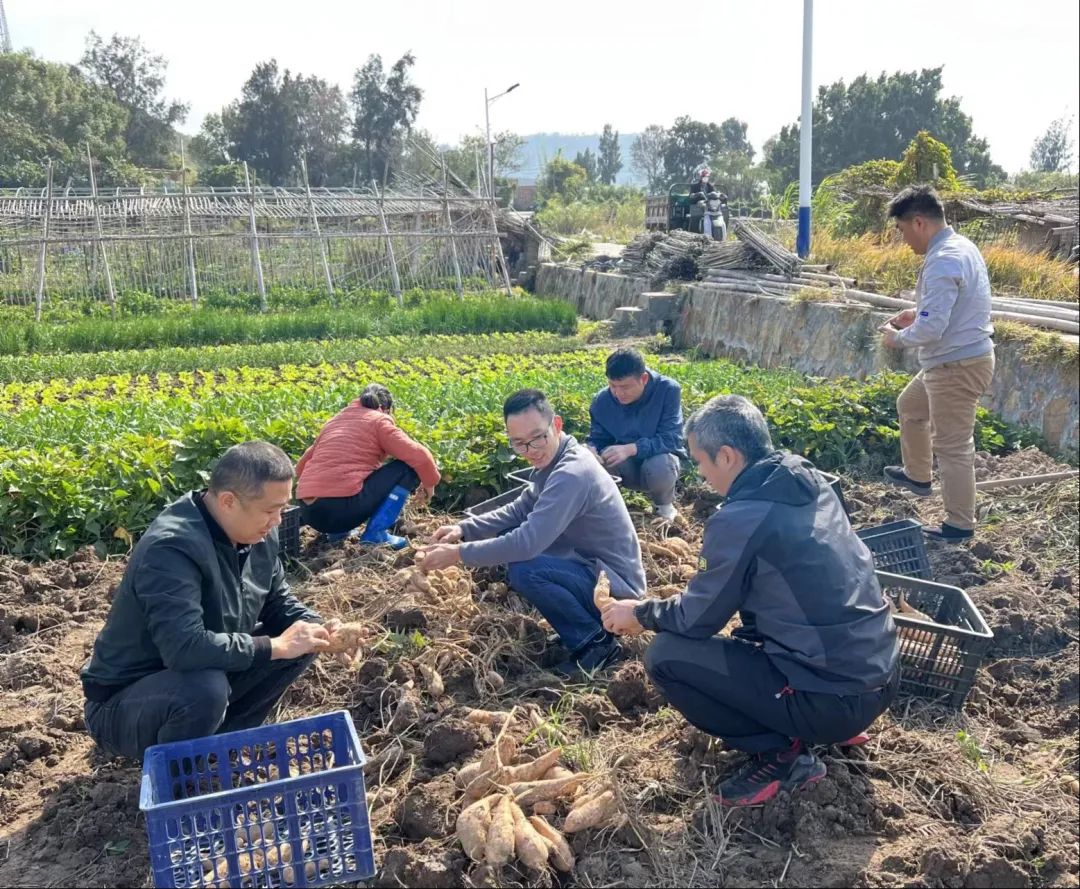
(545, 807)
(288, 874)
(602, 592)
(557, 772)
(531, 848)
(468, 773)
(1072, 785)
(594, 812)
(530, 792)
(499, 847)
(907, 610)
(472, 828)
(494, 680)
(346, 638)
(332, 576)
(583, 796)
(561, 854)
(486, 781)
(414, 578)
(282, 854)
(684, 548)
(535, 770)
(433, 680)
(492, 772)
(501, 752)
(492, 718)
(663, 551)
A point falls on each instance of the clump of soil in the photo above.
(630, 689)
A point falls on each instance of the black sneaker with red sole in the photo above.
(766, 774)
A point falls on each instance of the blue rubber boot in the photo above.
(377, 530)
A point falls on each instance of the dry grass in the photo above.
(1031, 274)
(893, 267)
(890, 265)
(1039, 344)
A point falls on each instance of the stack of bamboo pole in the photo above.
(1047, 314)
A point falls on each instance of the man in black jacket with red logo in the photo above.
(203, 635)
(816, 659)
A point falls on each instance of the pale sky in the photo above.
(1016, 66)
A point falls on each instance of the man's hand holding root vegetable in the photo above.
(442, 551)
(620, 618)
(617, 614)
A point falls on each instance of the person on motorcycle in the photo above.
(701, 186)
(708, 205)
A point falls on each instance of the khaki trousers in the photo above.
(937, 418)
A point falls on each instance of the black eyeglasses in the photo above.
(534, 444)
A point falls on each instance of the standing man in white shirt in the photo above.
(950, 326)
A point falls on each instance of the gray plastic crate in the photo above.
(938, 659)
(898, 548)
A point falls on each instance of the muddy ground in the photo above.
(984, 797)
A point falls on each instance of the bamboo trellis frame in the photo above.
(192, 241)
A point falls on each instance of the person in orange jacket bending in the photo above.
(344, 479)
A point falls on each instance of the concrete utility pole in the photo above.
(5, 34)
(806, 130)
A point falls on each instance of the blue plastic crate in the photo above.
(275, 806)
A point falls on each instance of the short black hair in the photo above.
(917, 200)
(528, 399)
(623, 363)
(377, 397)
(245, 468)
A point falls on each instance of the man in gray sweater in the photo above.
(569, 524)
(950, 326)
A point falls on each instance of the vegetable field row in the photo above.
(97, 469)
(54, 370)
(210, 327)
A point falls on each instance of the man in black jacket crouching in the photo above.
(203, 635)
(816, 658)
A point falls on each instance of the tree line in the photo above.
(114, 101)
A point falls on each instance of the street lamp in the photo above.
(487, 130)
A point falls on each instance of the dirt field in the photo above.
(986, 797)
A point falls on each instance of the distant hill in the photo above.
(542, 147)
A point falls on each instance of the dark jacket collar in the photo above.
(778, 478)
(216, 531)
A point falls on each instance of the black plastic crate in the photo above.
(938, 659)
(289, 533)
(898, 548)
(521, 476)
(495, 502)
